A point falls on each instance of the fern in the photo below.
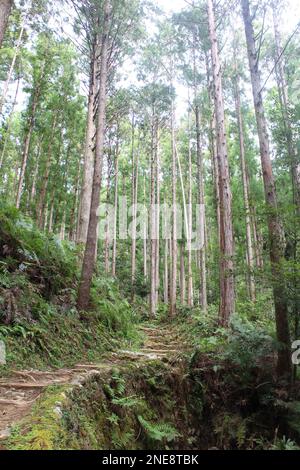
(158, 431)
(127, 402)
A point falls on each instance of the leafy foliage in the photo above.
(158, 431)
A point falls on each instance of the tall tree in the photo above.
(249, 243)
(274, 222)
(90, 249)
(200, 177)
(173, 280)
(226, 229)
(190, 290)
(88, 168)
(153, 218)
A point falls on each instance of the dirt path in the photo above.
(22, 389)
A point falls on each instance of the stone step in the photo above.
(26, 385)
(15, 402)
(159, 351)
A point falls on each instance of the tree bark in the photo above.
(190, 297)
(173, 280)
(145, 253)
(62, 232)
(90, 249)
(107, 239)
(257, 238)
(249, 244)
(157, 246)
(274, 223)
(114, 249)
(153, 218)
(135, 167)
(74, 212)
(166, 272)
(35, 173)
(50, 223)
(226, 229)
(88, 167)
(182, 276)
(213, 148)
(203, 280)
(5, 9)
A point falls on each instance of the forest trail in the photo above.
(21, 390)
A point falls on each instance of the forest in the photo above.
(149, 225)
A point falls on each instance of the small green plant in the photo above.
(230, 428)
(128, 402)
(247, 344)
(158, 431)
(284, 444)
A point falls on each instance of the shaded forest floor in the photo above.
(24, 389)
(164, 395)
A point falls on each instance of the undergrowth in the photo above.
(130, 408)
(39, 322)
(161, 408)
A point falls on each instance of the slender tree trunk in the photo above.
(226, 228)
(5, 9)
(213, 148)
(42, 201)
(182, 276)
(58, 198)
(114, 250)
(50, 223)
(90, 249)
(188, 234)
(15, 178)
(9, 124)
(190, 298)
(249, 244)
(153, 232)
(74, 213)
(203, 281)
(157, 246)
(35, 173)
(88, 167)
(145, 264)
(166, 272)
(257, 238)
(274, 223)
(216, 177)
(62, 232)
(134, 157)
(201, 198)
(45, 221)
(107, 240)
(173, 280)
(12, 66)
